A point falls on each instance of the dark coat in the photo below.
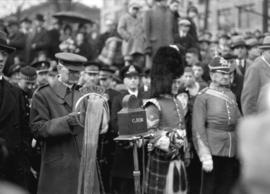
(14, 133)
(123, 158)
(18, 40)
(185, 42)
(238, 81)
(54, 36)
(158, 24)
(41, 40)
(61, 143)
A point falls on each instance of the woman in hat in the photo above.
(165, 116)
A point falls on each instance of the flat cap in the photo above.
(72, 61)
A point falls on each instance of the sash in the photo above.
(221, 96)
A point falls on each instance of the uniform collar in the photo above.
(218, 88)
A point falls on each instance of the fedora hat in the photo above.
(266, 43)
(3, 43)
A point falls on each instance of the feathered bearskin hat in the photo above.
(167, 66)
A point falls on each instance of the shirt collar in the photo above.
(135, 93)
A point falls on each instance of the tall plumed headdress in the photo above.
(167, 66)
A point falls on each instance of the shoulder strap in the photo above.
(221, 95)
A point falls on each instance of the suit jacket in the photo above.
(257, 75)
(61, 141)
(238, 81)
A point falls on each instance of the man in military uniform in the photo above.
(42, 69)
(54, 124)
(215, 114)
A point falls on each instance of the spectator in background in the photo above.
(192, 57)
(16, 39)
(158, 24)
(198, 74)
(92, 37)
(239, 48)
(67, 42)
(183, 38)
(110, 31)
(26, 26)
(253, 49)
(83, 48)
(54, 36)
(40, 40)
(174, 5)
(257, 75)
(192, 15)
(131, 30)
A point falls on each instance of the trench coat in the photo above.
(132, 32)
(60, 140)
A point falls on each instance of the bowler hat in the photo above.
(71, 61)
(266, 43)
(3, 43)
(238, 43)
(251, 42)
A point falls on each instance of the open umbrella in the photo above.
(71, 16)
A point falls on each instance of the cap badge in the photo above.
(131, 69)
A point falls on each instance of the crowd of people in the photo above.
(194, 87)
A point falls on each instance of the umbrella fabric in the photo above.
(73, 17)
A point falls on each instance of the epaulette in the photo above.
(151, 101)
(203, 91)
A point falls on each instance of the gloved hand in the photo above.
(207, 165)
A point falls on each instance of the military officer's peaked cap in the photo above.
(71, 61)
(41, 66)
(92, 67)
(219, 64)
(130, 70)
(28, 73)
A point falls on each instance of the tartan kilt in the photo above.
(157, 172)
